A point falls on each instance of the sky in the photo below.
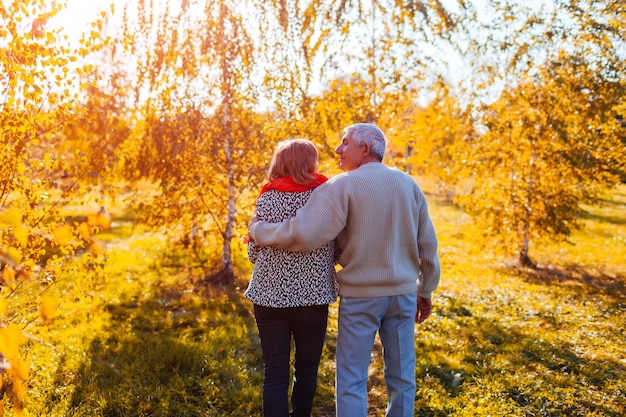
(75, 18)
(78, 14)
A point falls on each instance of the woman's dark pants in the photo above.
(276, 327)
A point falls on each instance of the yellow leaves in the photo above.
(10, 340)
(47, 307)
(52, 98)
(12, 217)
(98, 247)
(19, 369)
(84, 230)
(21, 235)
(8, 274)
(101, 219)
(14, 255)
(63, 235)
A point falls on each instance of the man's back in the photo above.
(380, 254)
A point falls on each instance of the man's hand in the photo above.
(247, 238)
(424, 309)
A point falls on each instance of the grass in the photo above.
(148, 341)
(547, 342)
(147, 344)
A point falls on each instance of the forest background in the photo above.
(154, 126)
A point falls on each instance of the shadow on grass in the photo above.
(616, 220)
(475, 365)
(172, 352)
(615, 202)
(592, 280)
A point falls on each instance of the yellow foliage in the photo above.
(101, 219)
(98, 247)
(19, 369)
(84, 230)
(8, 274)
(37, 168)
(14, 255)
(47, 307)
(63, 235)
(10, 340)
(21, 234)
(11, 218)
(19, 391)
(27, 267)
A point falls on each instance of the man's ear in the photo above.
(367, 149)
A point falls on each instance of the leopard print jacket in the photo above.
(289, 279)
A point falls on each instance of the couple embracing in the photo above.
(373, 221)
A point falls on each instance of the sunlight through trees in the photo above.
(515, 110)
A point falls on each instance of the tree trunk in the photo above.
(524, 259)
(227, 263)
(225, 275)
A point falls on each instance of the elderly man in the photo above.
(390, 266)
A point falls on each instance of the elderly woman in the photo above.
(290, 290)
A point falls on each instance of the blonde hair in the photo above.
(294, 158)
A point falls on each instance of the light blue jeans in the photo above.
(359, 320)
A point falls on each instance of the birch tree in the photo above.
(197, 137)
(553, 140)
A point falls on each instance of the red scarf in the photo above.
(288, 185)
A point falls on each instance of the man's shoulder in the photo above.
(370, 170)
(381, 169)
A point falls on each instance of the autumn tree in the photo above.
(398, 55)
(314, 49)
(434, 139)
(548, 77)
(40, 78)
(198, 137)
(346, 101)
(547, 151)
(92, 140)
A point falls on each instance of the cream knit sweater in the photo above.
(379, 216)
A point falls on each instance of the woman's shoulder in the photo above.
(275, 206)
(273, 196)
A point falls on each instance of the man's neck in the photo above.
(368, 160)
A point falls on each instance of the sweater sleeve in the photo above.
(430, 269)
(318, 222)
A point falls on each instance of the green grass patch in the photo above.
(146, 340)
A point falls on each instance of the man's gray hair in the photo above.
(366, 133)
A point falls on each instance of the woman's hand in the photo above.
(247, 238)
